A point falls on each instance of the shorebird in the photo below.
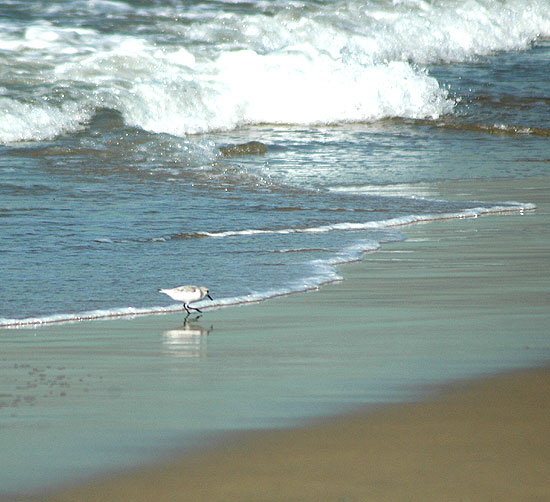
(187, 295)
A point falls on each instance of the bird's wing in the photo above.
(187, 289)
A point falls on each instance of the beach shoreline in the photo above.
(362, 187)
(456, 277)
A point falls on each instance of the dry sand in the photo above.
(488, 441)
(485, 440)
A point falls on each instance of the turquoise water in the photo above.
(112, 115)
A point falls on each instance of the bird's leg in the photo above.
(187, 307)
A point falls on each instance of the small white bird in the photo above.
(187, 295)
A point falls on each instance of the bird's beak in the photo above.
(210, 296)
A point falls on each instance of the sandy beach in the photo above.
(364, 190)
(471, 440)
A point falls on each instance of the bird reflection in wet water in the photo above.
(188, 340)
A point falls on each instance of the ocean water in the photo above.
(114, 117)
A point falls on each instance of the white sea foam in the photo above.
(345, 62)
(36, 121)
(378, 31)
(376, 225)
(170, 92)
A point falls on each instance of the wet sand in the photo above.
(471, 441)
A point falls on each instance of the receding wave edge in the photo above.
(319, 280)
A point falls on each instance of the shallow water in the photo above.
(113, 185)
